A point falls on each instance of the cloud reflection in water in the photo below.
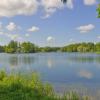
(85, 74)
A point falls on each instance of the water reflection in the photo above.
(66, 68)
(81, 59)
(50, 62)
(13, 61)
(84, 59)
(28, 60)
(98, 59)
(85, 74)
(18, 61)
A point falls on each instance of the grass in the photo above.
(19, 87)
(97, 52)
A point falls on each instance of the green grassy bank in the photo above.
(19, 87)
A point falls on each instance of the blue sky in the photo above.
(49, 22)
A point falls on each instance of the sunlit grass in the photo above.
(19, 87)
(97, 52)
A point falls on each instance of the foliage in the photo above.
(49, 49)
(98, 10)
(15, 47)
(81, 47)
(97, 47)
(18, 87)
(28, 47)
(11, 47)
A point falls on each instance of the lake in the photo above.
(65, 71)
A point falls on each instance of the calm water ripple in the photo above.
(75, 71)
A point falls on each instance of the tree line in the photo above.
(28, 47)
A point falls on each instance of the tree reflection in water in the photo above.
(16, 61)
(84, 59)
(13, 61)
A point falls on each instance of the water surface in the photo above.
(63, 70)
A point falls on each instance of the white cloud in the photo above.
(27, 35)
(10, 8)
(50, 39)
(12, 26)
(50, 6)
(89, 2)
(70, 4)
(33, 29)
(85, 28)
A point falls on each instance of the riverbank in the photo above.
(19, 87)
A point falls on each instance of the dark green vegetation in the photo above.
(14, 47)
(27, 47)
(20, 87)
(82, 47)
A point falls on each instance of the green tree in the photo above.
(98, 10)
(97, 47)
(11, 47)
(49, 49)
(27, 47)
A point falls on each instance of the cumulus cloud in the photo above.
(70, 4)
(27, 35)
(33, 29)
(85, 28)
(50, 39)
(12, 26)
(50, 6)
(89, 2)
(10, 8)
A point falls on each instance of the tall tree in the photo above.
(11, 47)
(27, 47)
